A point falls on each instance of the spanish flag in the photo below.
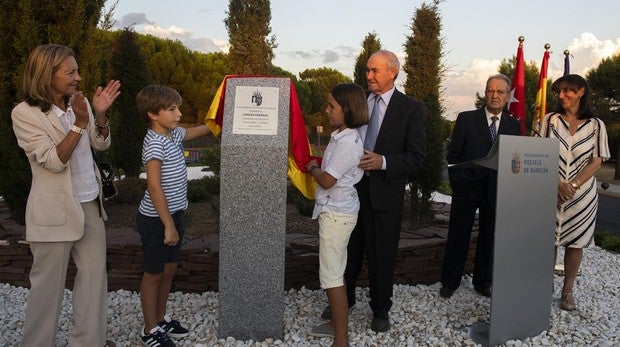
(299, 152)
(541, 95)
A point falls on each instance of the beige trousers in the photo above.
(90, 290)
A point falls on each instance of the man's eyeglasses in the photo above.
(498, 92)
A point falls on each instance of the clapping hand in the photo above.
(80, 109)
(104, 97)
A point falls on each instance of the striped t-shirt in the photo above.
(173, 170)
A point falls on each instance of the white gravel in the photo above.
(419, 316)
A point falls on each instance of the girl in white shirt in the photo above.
(337, 202)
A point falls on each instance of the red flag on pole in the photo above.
(516, 103)
(541, 94)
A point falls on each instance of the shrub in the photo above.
(607, 240)
(445, 188)
(130, 190)
(212, 184)
(197, 190)
(304, 205)
(210, 157)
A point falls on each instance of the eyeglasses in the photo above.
(498, 92)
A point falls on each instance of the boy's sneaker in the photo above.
(156, 338)
(173, 328)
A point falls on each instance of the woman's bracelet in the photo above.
(575, 183)
(105, 125)
(312, 168)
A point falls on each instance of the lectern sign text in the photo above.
(256, 110)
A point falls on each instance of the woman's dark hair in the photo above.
(575, 82)
(352, 99)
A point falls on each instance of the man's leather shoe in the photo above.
(380, 323)
(446, 292)
(484, 291)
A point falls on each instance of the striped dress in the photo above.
(576, 218)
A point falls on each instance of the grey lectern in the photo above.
(253, 207)
(527, 180)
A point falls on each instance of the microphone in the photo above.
(526, 125)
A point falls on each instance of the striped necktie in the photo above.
(373, 126)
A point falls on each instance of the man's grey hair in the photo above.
(500, 76)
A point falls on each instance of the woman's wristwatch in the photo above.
(77, 129)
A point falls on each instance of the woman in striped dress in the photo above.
(583, 148)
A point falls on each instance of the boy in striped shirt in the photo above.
(160, 215)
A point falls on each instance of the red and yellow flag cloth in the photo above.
(541, 95)
(299, 152)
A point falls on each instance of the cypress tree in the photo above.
(370, 45)
(127, 126)
(251, 50)
(424, 71)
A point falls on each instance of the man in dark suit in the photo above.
(394, 148)
(475, 187)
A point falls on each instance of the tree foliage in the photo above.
(423, 53)
(424, 72)
(26, 25)
(605, 83)
(370, 45)
(127, 126)
(320, 81)
(251, 48)
(196, 76)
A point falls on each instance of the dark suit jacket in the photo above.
(471, 139)
(402, 141)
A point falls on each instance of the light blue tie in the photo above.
(492, 128)
(373, 125)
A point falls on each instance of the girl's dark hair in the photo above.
(575, 82)
(352, 99)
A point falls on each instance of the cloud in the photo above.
(348, 51)
(460, 86)
(141, 24)
(588, 51)
(298, 54)
(172, 32)
(330, 56)
(131, 20)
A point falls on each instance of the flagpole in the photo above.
(541, 94)
(516, 102)
(566, 62)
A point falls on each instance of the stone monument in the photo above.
(255, 135)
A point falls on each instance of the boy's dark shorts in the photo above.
(155, 253)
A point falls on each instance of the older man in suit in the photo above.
(394, 148)
(475, 188)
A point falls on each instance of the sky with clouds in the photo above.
(477, 34)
